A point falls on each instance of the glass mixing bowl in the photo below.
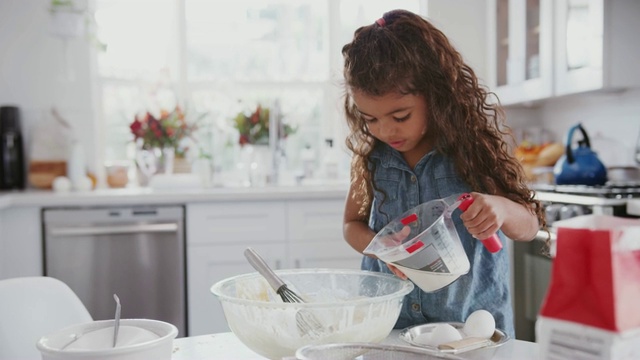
(352, 305)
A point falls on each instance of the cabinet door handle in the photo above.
(541, 235)
(109, 230)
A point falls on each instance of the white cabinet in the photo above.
(20, 242)
(315, 235)
(234, 222)
(217, 234)
(287, 234)
(520, 50)
(336, 254)
(597, 46)
(539, 49)
(208, 264)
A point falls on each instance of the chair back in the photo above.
(31, 307)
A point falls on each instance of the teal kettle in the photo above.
(580, 165)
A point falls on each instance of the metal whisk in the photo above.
(306, 321)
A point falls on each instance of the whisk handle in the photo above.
(261, 266)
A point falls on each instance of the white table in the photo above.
(227, 346)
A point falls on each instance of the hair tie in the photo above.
(381, 22)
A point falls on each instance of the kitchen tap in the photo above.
(637, 154)
(276, 146)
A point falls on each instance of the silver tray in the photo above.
(368, 351)
(409, 334)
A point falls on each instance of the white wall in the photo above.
(33, 76)
(465, 24)
(612, 121)
(33, 71)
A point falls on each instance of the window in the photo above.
(219, 62)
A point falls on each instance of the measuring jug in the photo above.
(424, 244)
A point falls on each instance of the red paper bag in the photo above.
(595, 278)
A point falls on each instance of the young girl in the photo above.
(422, 128)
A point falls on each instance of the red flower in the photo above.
(244, 139)
(255, 117)
(136, 128)
(165, 131)
(254, 128)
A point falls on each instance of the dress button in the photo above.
(415, 307)
(413, 178)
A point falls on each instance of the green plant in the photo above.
(254, 128)
(62, 3)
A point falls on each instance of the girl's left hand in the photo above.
(485, 216)
(397, 272)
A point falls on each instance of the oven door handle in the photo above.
(541, 235)
(114, 230)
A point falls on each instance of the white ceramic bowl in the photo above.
(137, 339)
(353, 306)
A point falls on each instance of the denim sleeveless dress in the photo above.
(485, 286)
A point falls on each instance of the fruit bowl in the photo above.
(352, 306)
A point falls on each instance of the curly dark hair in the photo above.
(404, 53)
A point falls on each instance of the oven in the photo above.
(531, 265)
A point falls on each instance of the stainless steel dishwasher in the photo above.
(135, 252)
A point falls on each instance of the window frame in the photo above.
(334, 128)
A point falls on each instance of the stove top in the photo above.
(610, 190)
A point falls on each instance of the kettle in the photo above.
(579, 166)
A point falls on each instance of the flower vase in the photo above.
(152, 161)
(181, 165)
(256, 162)
(167, 160)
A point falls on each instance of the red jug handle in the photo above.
(492, 243)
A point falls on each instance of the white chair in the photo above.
(31, 307)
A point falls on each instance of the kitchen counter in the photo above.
(301, 221)
(228, 346)
(633, 207)
(150, 196)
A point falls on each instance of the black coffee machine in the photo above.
(12, 173)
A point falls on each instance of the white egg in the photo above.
(61, 184)
(480, 324)
(442, 333)
(84, 184)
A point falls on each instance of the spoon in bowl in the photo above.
(116, 324)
